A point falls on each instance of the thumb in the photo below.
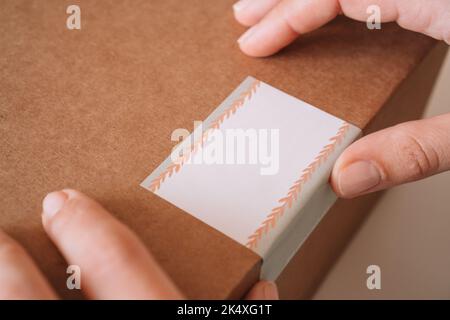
(403, 153)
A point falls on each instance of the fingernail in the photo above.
(238, 6)
(248, 34)
(357, 178)
(52, 203)
(270, 291)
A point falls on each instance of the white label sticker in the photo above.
(257, 170)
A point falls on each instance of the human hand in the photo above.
(114, 263)
(403, 153)
(276, 23)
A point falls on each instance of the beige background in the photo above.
(407, 235)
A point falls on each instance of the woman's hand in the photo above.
(276, 23)
(406, 152)
(114, 263)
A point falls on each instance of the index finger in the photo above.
(284, 23)
(291, 18)
(114, 264)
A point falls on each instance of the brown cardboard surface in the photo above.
(93, 109)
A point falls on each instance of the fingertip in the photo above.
(244, 17)
(358, 171)
(266, 38)
(250, 12)
(240, 5)
(334, 185)
(246, 43)
(72, 193)
(263, 290)
(334, 177)
(250, 51)
(53, 203)
(271, 291)
(58, 201)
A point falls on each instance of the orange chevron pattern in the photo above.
(295, 190)
(215, 124)
(239, 102)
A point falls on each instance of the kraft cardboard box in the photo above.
(93, 109)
